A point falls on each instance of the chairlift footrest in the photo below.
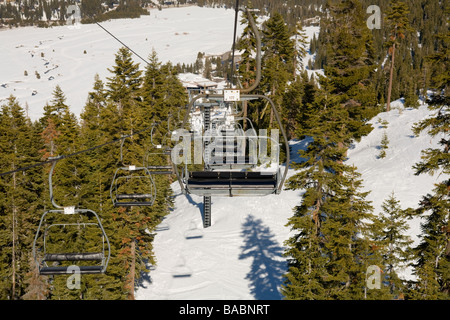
(231, 182)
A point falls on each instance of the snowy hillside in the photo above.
(240, 255)
(57, 54)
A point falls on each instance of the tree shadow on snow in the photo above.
(145, 278)
(267, 267)
(296, 147)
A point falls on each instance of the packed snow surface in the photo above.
(241, 255)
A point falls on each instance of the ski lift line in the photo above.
(122, 43)
(53, 159)
(247, 90)
(100, 257)
(245, 95)
(258, 54)
(255, 84)
(277, 117)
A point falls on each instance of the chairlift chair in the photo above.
(230, 145)
(82, 261)
(132, 177)
(132, 185)
(162, 149)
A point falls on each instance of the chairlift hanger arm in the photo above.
(258, 53)
(258, 71)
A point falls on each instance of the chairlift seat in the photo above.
(88, 256)
(134, 196)
(65, 270)
(162, 172)
(231, 183)
(133, 204)
(230, 159)
(159, 167)
(133, 199)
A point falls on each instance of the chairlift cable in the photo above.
(72, 154)
(234, 42)
(122, 43)
(123, 137)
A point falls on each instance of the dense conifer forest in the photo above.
(336, 233)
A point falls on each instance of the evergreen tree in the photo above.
(277, 40)
(98, 126)
(396, 250)
(129, 224)
(384, 145)
(331, 240)
(300, 47)
(60, 131)
(293, 97)
(277, 62)
(21, 199)
(347, 230)
(123, 87)
(350, 63)
(208, 68)
(398, 24)
(247, 67)
(433, 252)
(303, 106)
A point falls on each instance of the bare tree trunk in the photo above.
(271, 110)
(391, 74)
(13, 258)
(246, 85)
(132, 269)
(244, 126)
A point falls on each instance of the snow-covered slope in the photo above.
(241, 255)
(238, 257)
(57, 54)
(394, 173)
